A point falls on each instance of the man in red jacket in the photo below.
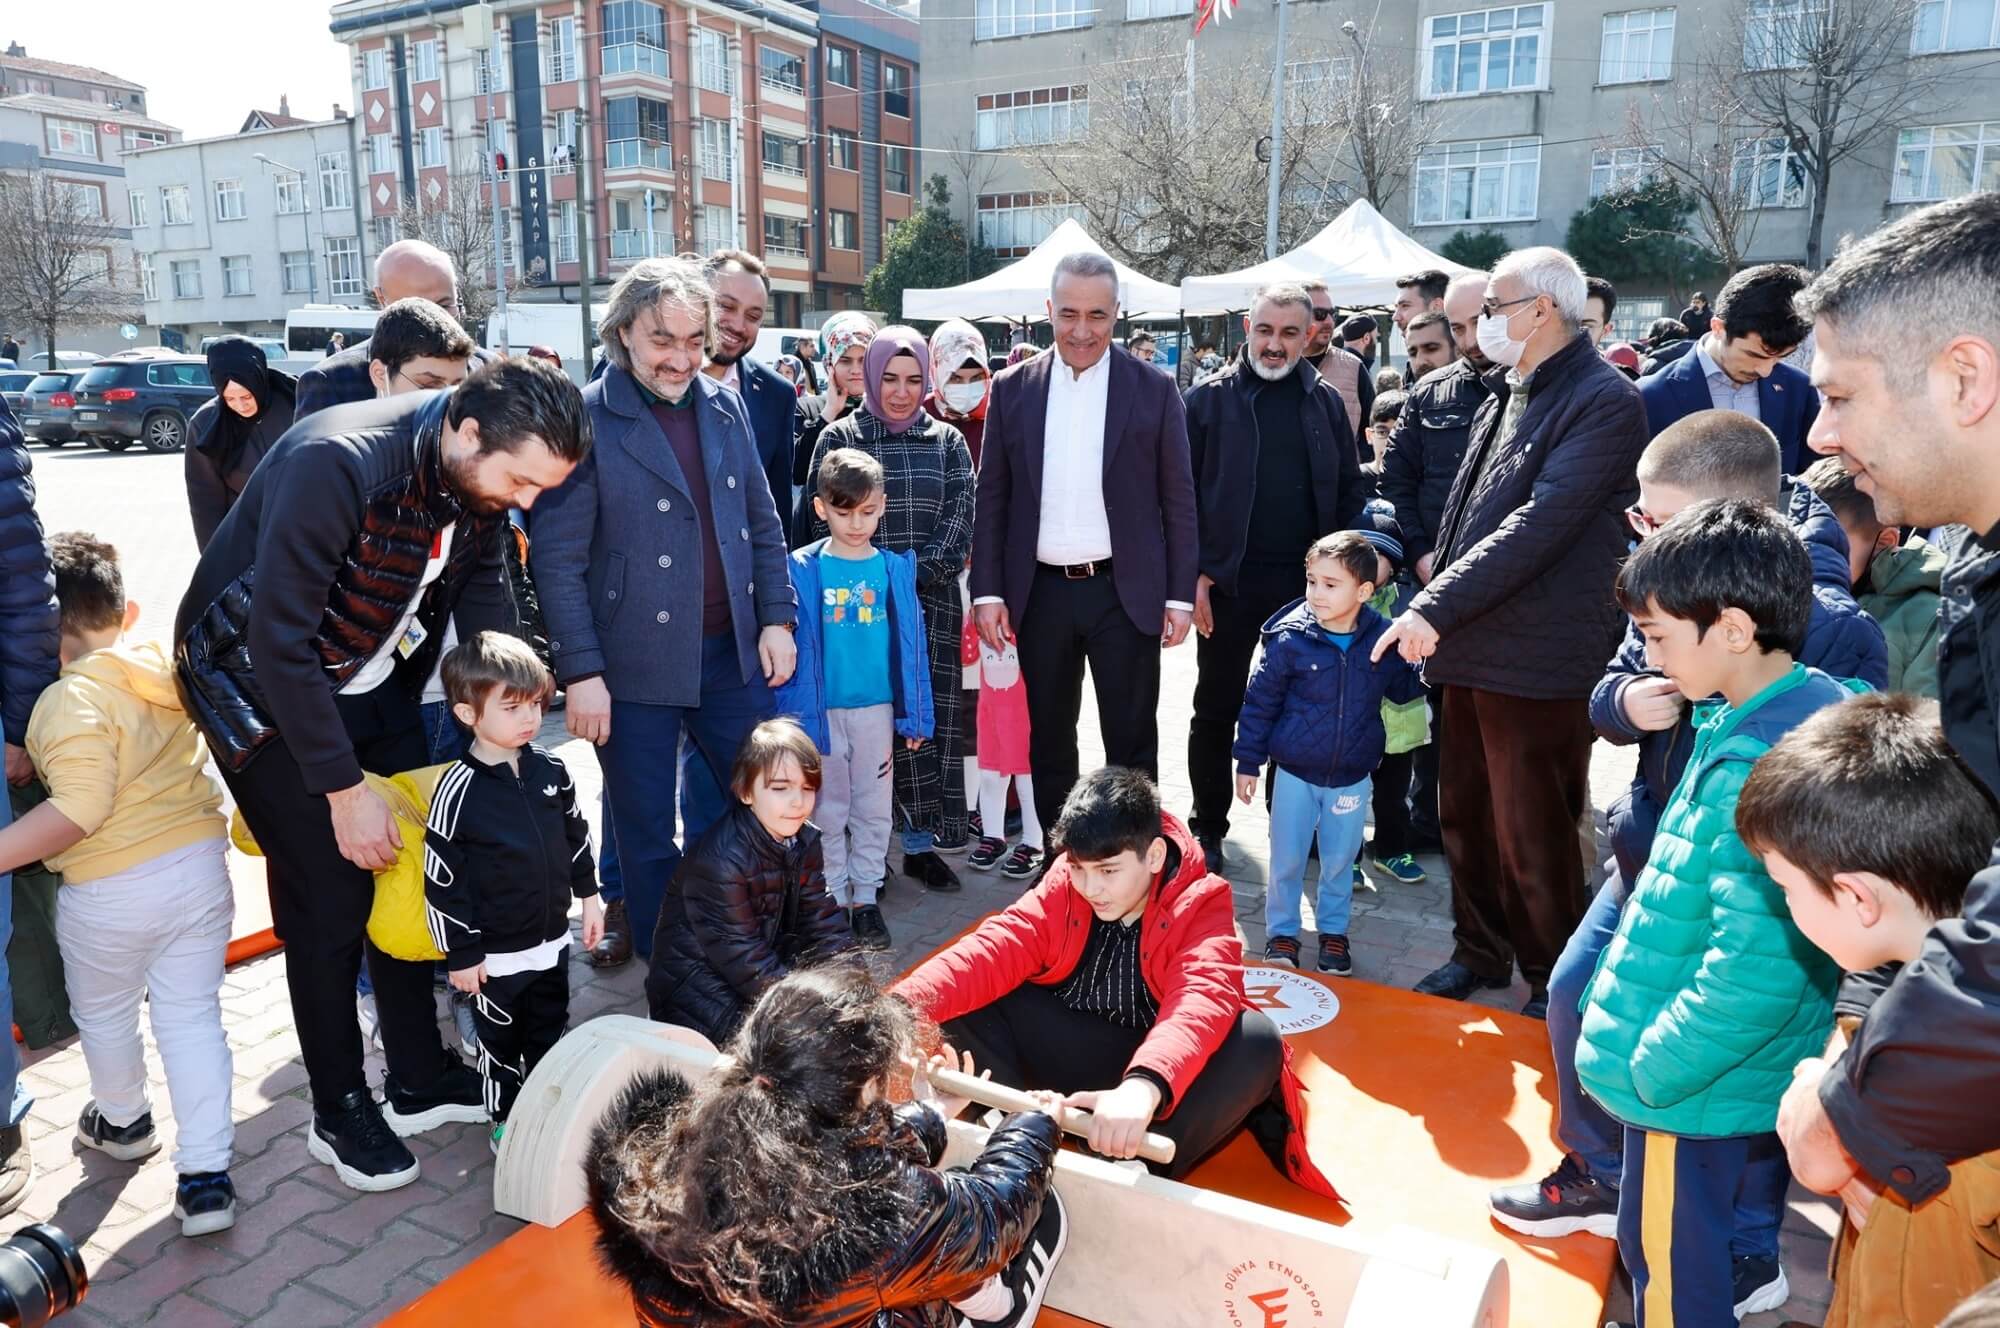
(1118, 980)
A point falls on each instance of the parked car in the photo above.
(46, 407)
(140, 397)
(13, 382)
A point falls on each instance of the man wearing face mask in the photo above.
(1518, 619)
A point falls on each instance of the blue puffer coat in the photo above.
(804, 694)
(1316, 709)
(27, 588)
(1841, 641)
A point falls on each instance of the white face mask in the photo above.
(964, 397)
(1496, 343)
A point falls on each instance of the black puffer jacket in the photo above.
(27, 588)
(742, 911)
(1533, 534)
(314, 567)
(918, 1237)
(1425, 448)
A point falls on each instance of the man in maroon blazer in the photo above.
(1084, 542)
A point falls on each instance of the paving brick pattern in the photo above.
(306, 1251)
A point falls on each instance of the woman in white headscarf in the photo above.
(962, 384)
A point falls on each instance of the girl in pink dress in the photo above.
(1003, 755)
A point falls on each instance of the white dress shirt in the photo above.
(1074, 528)
(1724, 392)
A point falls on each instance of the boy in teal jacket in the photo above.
(1708, 994)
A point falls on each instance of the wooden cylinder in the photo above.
(1074, 1120)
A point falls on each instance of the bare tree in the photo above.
(57, 266)
(973, 170)
(459, 220)
(1381, 124)
(1687, 136)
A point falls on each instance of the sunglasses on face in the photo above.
(1491, 307)
(1321, 315)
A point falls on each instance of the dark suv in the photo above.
(146, 399)
(46, 407)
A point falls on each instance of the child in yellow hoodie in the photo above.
(134, 824)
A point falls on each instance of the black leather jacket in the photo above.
(1425, 448)
(313, 568)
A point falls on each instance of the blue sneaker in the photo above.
(1361, 881)
(1403, 867)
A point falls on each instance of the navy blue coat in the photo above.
(804, 695)
(1786, 402)
(28, 616)
(773, 407)
(1841, 640)
(1316, 709)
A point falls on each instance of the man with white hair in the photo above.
(1518, 619)
(406, 269)
(1274, 469)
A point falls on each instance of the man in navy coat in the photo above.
(741, 301)
(1737, 363)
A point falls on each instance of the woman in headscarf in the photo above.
(251, 409)
(1022, 351)
(843, 342)
(794, 371)
(960, 381)
(927, 509)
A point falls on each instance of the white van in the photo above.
(775, 341)
(308, 330)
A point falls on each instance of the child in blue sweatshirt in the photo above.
(1314, 706)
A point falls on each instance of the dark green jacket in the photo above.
(1902, 597)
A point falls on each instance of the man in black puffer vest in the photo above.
(312, 622)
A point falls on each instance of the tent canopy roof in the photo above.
(1021, 289)
(1359, 255)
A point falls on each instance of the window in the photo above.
(1031, 116)
(783, 155)
(94, 265)
(187, 278)
(505, 221)
(136, 204)
(174, 206)
(1138, 9)
(1955, 25)
(236, 274)
(1309, 88)
(229, 200)
(781, 69)
(1765, 174)
(711, 61)
(843, 150)
(1488, 180)
(375, 69)
(383, 231)
(1621, 170)
(291, 192)
(72, 138)
(562, 147)
(382, 154)
(134, 139)
(177, 375)
(843, 230)
(562, 51)
(149, 283)
(784, 236)
(1778, 33)
(1944, 161)
(424, 62)
(718, 157)
(496, 136)
(83, 201)
(343, 266)
(636, 128)
(1487, 50)
(895, 90)
(1012, 224)
(334, 189)
(712, 230)
(635, 38)
(430, 146)
(1015, 18)
(1638, 47)
(896, 170)
(490, 72)
(840, 66)
(297, 265)
(566, 232)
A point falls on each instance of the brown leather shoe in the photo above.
(616, 947)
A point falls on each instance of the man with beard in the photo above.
(312, 621)
(741, 301)
(1274, 469)
(1342, 369)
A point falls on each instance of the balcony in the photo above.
(629, 154)
(630, 246)
(635, 58)
(717, 165)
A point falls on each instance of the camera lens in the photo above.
(41, 1276)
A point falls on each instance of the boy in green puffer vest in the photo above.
(1896, 583)
(1708, 995)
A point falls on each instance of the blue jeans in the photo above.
(1588, 1131)
(642, 774)
(1298, 811)
(610, 878)
(12, 1092)
(444, 737)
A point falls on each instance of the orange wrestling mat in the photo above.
(251, 935)
(1419, 1107)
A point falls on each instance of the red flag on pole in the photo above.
(1212, 9)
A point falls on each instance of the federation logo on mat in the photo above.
(1266, 1293)
(1294, 1001)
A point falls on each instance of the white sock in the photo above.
(992, 1301)
(972, 781)
(1031, 825)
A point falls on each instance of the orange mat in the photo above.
(1420, 1106)
(251, 935)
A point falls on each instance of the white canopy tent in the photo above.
(1021, 289)
(1359, 255)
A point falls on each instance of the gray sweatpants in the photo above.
(856, 799)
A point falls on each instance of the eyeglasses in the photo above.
(1321, 315)
(1644, 523)
(1491, 307)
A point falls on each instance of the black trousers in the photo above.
(320, 903)
(520, 1016)
(1222, 661)
(1068, 624)
(1424, 780)
(1392, 806)
(1031, 1040)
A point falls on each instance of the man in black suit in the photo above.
(406, 268)
(741, 301)
(1084, 538)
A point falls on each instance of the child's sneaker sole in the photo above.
(322, 1151)
(445, 1113)
(131, 1152)
(205, 1224)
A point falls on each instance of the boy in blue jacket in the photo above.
(1314, 706)
(863, 679)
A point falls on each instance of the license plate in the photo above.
(31, 419)
(86, 414)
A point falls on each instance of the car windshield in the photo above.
(55, 382)
(103, 375)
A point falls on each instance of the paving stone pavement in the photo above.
(306, 1251)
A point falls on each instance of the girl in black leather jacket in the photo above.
(784, 1190)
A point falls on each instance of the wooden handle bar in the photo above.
(1074, 1120)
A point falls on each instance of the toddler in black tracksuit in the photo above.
(505, 849)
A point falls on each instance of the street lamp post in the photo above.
(1277, 138)
(312, 270)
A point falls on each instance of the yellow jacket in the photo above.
(122, 761)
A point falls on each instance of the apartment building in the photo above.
(866, 176)
(1533, 104)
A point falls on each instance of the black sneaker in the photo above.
(1282, 950)
(1029, 1274)
(1211, 850)
(931, 872)
(870, 932)
(1454, 981)
(205, 1202)
(987, 855)
(1758, 1284)
(1024, 862)
(358, 1144)
(1567, 1200)
(974, 827)
(127, 1143)
(1537, 1006)
(17, 1168)
(1333, 955)
(459, 1094)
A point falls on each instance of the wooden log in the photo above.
(1074, 1120)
